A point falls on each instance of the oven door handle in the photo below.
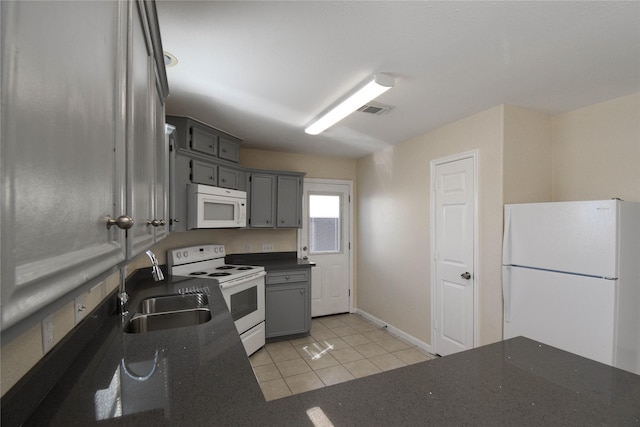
(242, 280)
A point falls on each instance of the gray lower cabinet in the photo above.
(288, 303)
(72, 133)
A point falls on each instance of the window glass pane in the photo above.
(324, 224)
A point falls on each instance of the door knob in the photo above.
(124, 222)
(466, 275)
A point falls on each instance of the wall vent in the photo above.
(375, 108)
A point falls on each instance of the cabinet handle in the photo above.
(163, 222)
(156, 222)
(301, 291)
(124, 222)
(268, 221)
(224, 180)
(282, 221)
(212, 178)
(224, 150)
(286, 277)
(212, 146)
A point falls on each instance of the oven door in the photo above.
(245, 299)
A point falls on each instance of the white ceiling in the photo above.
(264, 70)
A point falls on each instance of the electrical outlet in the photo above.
(267, 247)
(47, 334)
(81, 309)
(249, 247)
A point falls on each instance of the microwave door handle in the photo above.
(240, 281)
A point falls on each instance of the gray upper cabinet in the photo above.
(203, 140)
(275, 200)
(262, 203)
(65, 144)
(228, 150)
(146, 143)
(289, 206)
(204, 172)
(197, 138)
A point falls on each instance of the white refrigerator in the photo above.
(571, 278)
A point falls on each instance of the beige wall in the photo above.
(527, 156)
(596, 151)
(394, 261)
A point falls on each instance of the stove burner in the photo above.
(197, 273)
(225, 267)
(219, 274)
(245, 268)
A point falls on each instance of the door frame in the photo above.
(351, 245)
(473, 154)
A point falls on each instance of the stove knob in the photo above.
(185, 254)
(178, 255)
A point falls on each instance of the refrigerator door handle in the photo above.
(506, 239)
(506, 292)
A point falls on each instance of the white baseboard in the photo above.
(395, 331)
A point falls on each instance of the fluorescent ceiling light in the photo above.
(379, 84)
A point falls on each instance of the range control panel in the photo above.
(194, 254)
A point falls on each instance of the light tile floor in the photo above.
(340, 348)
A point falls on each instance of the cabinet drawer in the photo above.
(203, 173)
(289, 276)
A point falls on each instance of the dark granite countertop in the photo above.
(200, 376)
(271, 261)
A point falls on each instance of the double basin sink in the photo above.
(170, 311)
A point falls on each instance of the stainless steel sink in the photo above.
(167, 303)
(169, 312)
(167, 320)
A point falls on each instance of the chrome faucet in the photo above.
(155, 269)
(123, 297)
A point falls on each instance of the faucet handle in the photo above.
(155, 269)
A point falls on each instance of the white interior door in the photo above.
(325, 239)
(454, 219)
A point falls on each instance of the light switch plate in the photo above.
(47, 334)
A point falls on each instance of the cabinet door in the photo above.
(203, 140)
(162, 172)
(141, 142)
(228, 178)
(204, 173)
(289, 205)
(286, 310)
(62, 150)
(228, 150)
(262, 203)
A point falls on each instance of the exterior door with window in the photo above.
(325, 240)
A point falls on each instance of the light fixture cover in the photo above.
(373, 88)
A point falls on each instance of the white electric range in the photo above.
(242, 287)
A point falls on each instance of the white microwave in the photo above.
(215, 207)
